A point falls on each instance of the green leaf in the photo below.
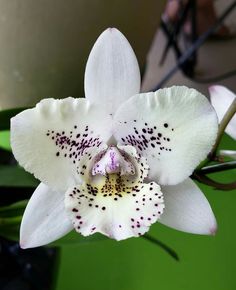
(74, 238)
(6, 115)
(10, 232)
(9, 227)
(15, 209)
(5, 140)
(15, 176)
(10, 221)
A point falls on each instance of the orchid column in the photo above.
(117, 161)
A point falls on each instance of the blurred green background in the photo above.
(136, 264)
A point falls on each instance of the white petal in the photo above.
(44, 219)
(221, 99)
(228, 153)
(50, 139)
(112, 73)
(187, 209)
(173, 128)
(118, 215)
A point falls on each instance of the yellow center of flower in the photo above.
(116, 172)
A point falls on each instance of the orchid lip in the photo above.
(115, 200)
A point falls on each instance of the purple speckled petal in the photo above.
(118, 214)
(174, 128)
(112, 72)
(50, 139)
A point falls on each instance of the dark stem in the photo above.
(217, 167)
(210, 182)
(166, 248)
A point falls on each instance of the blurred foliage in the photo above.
(13, 210)
(5, 140)
(10, 218)
(10, 232)
(15, 176)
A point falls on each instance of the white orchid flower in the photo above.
(221, 99)
(102, 159)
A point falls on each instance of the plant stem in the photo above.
(217, 167)
(210, 182)
(166, 248)
(223, 124)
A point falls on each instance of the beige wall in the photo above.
(44, 44)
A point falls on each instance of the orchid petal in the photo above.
(112, 72)
(221, 99)
(44, 219)
(173, 128)
(118, 216)
(50, 139)
(187, 209)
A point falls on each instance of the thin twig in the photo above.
(217, 167)
(217, 185)
(166, 248)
